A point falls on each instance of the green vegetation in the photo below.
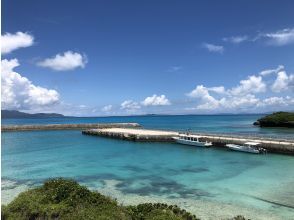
(17, 114)
(64, 199)
(277, 119)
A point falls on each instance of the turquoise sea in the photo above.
(212, 183)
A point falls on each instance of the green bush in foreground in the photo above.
(63, 199)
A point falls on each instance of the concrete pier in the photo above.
(135, 134)
(38, 127)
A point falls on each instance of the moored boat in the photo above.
(189, 139)
(248, 147)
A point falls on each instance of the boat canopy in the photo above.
(190, 135)
(252, 143)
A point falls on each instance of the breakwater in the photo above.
(67, 126)
(134, 134)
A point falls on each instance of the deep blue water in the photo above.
(242, 124)
(240, 182)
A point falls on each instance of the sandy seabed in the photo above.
(203, 209)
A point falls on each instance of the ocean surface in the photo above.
(212, 183)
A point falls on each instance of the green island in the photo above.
(277, 119)
(65, 199)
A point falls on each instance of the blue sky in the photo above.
(137, 57)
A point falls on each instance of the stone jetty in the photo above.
(138, 134)
(133, 134)
(37, 127)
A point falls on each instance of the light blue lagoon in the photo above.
(209, 182)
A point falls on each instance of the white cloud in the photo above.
(218, 89)
(240, 102)
(106, 108)
(276, 101)
(130, 105)
(214, 48)
(271, 71)
(253, 84)
(202, 93)
(276, 38)
(156, 101)
(20, 93)
(279, 38)
(283, 82)
(11, 42)
(236, 39)
(198, 92)
(243, 96)
(67, 61)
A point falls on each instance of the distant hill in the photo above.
(17, 114)
(277, 119)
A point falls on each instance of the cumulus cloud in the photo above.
(253, 84)
(202, 93)
(18, 92)
(130, 105)
(62, 62)
(214, 48)
(218, 89)
(156, 100)
(273, 101)
(240, 102)
(283, 82)
(11, 42)
(236, 39)
(106, 108)
(243, 96)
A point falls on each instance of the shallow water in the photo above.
(209, 182)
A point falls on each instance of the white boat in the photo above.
(190, 139)
(249, 147)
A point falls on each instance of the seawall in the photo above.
(67, 126)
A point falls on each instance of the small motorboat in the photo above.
(248, 147)
(189, 139)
